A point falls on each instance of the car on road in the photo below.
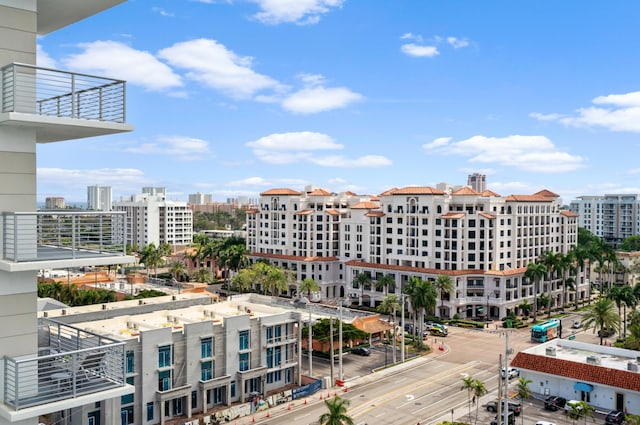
(576, 324)
(615, 417)
(544, 423)
(514, 407)
(511, 420)
(438, 330)
(511, 373)
(554, 402)
(361, 351)
(605, 333)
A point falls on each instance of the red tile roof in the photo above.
(453, 215)
(547, 193)
(252, 211)
(374, 214)
(304, 212)
(568, 213)
(365, 206)
(332, 212)
(528, 198)
(319, 192)
(466, 191)
(350, 193)
(578, 371)
(280, 191)
(489, 193)
(487, 215)
(413, 190)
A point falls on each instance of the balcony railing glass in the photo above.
(50, 92)
(71, 362)
(42, 236)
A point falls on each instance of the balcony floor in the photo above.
(49, 257)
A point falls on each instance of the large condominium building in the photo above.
(188, 358)
(612, 217)
(54, 203)
(44, 368)
(483, 241)
(199, 198)
(99, 198)
(151, 218)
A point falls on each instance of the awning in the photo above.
(581, 386)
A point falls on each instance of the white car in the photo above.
(575, 403)
(511, 373)
(544, 423)
(576, 324)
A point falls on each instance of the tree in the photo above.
(443, 285)
(390, 305)
(243, 281)
(468, 383)
(308, 285)
(360, 281)
(567, 270)
(630, 243)
(600, 316)
(422, 298)
(553, 263)
(580, 409)
(202, 275)
(151, 257)
(479, 389)
(581, 255)
(177, 270)
(337, 414)
(524, 392)
(535, 272)
(386, 282)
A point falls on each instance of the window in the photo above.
(164, 380)
(130, 362)
(126, 415)
(206, 348)
(244, 362)
(127, 399)
(206, 370)
(244, 340)
(194, 399)
(164, 356)
(233, 389)
(150, 411)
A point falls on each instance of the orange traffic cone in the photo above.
(305, 401)
(328, 395)
(320, 396)
(289, 406)
(268, 414)
(253, 419)
(346, 389)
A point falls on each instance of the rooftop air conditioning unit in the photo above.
(551, 351)
(632, 366)
(129, 325)
(593, 360)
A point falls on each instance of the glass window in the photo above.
(206, 348)
(126, 415)
(194, 399)
(150, 411)
(127, 399)
(244, 362)
(233, 389)
(244, 340)
(164, 356)
(206, 371)
(129, 362)
(164, 380)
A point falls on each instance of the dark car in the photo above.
(361, 351)
(514, 407)
(511, 420)
(605, 333)
(554, 402)
(615, 417)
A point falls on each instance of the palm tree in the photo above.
(390, 305)
(628, 300)
(359, 281)
(580, 255)
(567, 270)
(308, 285)
(580, 409)
(151, 257)
(202, 275)
(422, 297)
(337, 414)
(443, 285)
(524, 392)
(243, 281)
(177, 270)
(553, 262)
(479, 389)
(468, 383)
(535, 272)
(386, 282)
(601, 315)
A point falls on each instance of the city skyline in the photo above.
(235, 98)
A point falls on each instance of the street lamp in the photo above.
(402, 319)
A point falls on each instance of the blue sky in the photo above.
(235, 97)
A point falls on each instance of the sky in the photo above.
(234, 97)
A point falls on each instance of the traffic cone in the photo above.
(289, 406)
(346, 389)
(335, 393)
(328, 395)
(320, 396)
(268, 414)
(253, 419)
(305, 401)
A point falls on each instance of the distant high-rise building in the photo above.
(54, 203)
(99, 198)
(613, 217)
(199, 198)
(154, 191)
(478, 182)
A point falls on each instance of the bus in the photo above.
(546, 331)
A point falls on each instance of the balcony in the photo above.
(61, 105)
(62, 239)
(71, 363)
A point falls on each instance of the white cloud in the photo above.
(530, 153)
(262, 182)
(212, 64)
(43, 58)
(120, 61)
(178, 147)
(60, 180)
(457, 43)
(301, 12)
(287, 148)
(621, 112)
(319, 99)
(162, 11)
(419, 51)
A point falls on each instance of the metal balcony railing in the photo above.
(42, 236)
(50, 92)
(71, 362)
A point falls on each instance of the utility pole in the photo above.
(310, 346)
(499, 413)
(402, 330)
(331, 351)
(340, 377)
(506, 377)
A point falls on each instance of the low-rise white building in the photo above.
(604, 377)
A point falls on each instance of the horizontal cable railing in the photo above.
(70, 363)
(40, 236)
(45, 91)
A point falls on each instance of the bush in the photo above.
(466, 324)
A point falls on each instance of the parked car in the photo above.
(576, 324)
(605, 333)
(572, 406)
(439, 330)
(615, 417)
(511, 420)
(514, 407)
(554, 402)
(544, 423)
(361, 351)
(511, 373)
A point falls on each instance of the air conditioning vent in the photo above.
(551, 351)
(632, 366)
(593, 360)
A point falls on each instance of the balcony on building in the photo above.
(61, 105)
(73, 367)
(62, 239)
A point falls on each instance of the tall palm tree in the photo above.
(422, 297)
(468, 383)
(601, 315)
(535, 272)
(202, 275)
(553, 261)
(390, 305)
(443, 285)
(580, 255)
(479, 389)
(337, 414)
(308, 285)
(567, 270)
(524, 392)
(177, 270)
(387, 283)
(628, 300)
(360, 281)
